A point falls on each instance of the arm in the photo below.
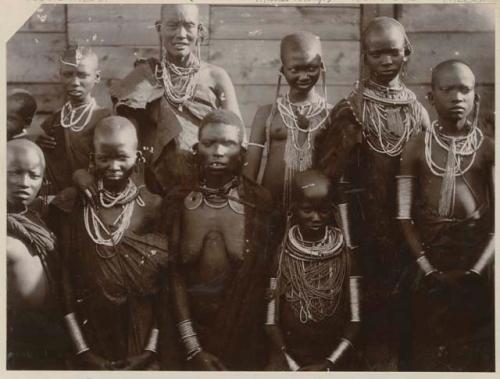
(225, 90)
(257, 142)
(45, 140)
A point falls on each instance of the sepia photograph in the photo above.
(264, 186)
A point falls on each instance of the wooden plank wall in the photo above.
(245, 41)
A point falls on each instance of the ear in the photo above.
(195, 148)
(98, 76)
(430, 97)
(158, 26)
(477, 98)
(202, 32)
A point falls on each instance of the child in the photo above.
(362, 148)
(67, 140)
(288, 128)
(446, 194)
(35, 341)
(113, 257)
(314, 312)
(21, 107)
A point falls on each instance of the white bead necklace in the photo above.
(68, 114)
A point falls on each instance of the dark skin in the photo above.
(301, 69)
(219, 155)
(453, 97)
(312, 212)
(115, 157)
(78, 83)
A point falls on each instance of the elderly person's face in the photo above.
(179, 29)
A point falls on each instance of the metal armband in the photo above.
(152, 344)
(271, 306)
(189, 338)
(354, 298)
(343, 346)
(76, 333)
(405, 193)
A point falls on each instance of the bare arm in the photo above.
(225, 90)
(257, 142)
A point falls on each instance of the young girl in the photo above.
(286, 129)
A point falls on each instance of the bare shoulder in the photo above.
(216, 72)
(260, 117)
(152, 201)
(488, 148)
(16, 250)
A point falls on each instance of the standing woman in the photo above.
(166, 99)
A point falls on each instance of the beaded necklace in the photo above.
(68, 114)
(313, 273)
(93, 223)
(458, 148)
(179, 82)
(389, 117)
(297, 119)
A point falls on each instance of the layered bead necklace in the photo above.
(389, 117)
(126, 199)
(71, 117)
(458, 148)
(179, 82)
(216, 198)
(297, 119)
(313, 273)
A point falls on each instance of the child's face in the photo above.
(385, 54)
(79, 81)
(115, 157)
(24, 176)
(301, 70)
(453, 92)
(179, 30)
(15, 120)
(312, 212)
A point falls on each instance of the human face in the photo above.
(24, 177)
(219, 149)
(453, 93)
(179, 30)
(313, 212)
(301, 70)
(79, 81)
(115, 157)
(385, 54)
(15, 121)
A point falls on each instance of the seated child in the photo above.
(313, 315)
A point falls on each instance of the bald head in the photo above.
(451, 65)
(176, 10)
(312, 185)
(300, 43)
(23, 147)
(386, 28)
(115, 128)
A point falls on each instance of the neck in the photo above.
(77, 102)
(312, 235)
(115, 186)
(296, 96)
(452, 127)
(180, 61)
(15, 208)
(218, 181)
(389, 83)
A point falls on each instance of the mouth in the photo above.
(457, 109)
(22, 195)
(75, 92)
(217, 165)
(315, 226)
(388, 72)
(114, 176)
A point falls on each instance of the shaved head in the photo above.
(312, 185)
(302, 43)
(23, 147)
(115, 128)
(175, 9)
(386, 26)
(450, 65)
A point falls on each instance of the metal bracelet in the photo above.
(153, 341)
(76, 334)
(405, 190)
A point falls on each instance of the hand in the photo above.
(323, 366)
(91, 361)
(208, 362)
(85, 182)
(46, 142)
(470, 281)
(135, 362)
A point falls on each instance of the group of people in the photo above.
(139, 238)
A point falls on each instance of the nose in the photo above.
(386, 59)
(182, 32)
(457, 97)
(114, 166)
(219, 150)
(24, 181)
(303, 75)
(315, 217)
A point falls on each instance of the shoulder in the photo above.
(263, 112)
(414, 148)
(66, 200)
(488, 148)
(215, 71)
(257, 194)
(151, 200)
